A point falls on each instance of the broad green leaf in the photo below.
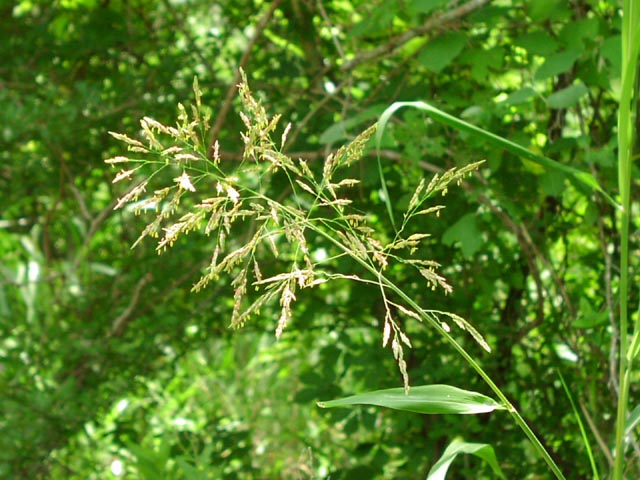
(604, 157)
(481, 60)
(611, 50)
(457, 447)
(427, 6)
(567, 97)
(378, 20)
(551, 183)
(428, 399)
(524, 153)
(190, 472)
(490, 14)
(538, 43)
(465, 232)
(575, 32)
(441, 51)
(151, 463)
(557, 64)
(588, 317)
(540, 10)
(592, 73)
(520, 96)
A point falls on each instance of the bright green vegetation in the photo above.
(421, 212)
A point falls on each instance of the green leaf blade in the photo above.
(567, 97)
(466, 233)
(425, 399)
(457, 447)
(441, 51)
(491, 138)
(557, 63)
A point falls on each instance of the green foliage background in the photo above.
(175, 394)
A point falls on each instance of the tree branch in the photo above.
(396, 43)
(120, 323)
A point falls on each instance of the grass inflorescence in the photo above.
(225, 198)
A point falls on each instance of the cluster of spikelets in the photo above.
(219, 200)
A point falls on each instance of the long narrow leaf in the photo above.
(583, 431)
(455, 448)
(430, 399)
(632, 421)
(522, 152)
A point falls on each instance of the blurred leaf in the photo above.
(557, 64)
(378, 20)
(541, 10)
(427, 6)
(455, 448)
(190, 471)
(441, 51)
(538, 43)
(521, 96)
(464, 231)
(588, 317)
(577, 31)
(611, 50)
(151, 463)
(482, 61)
(567, 97)
(632, 421)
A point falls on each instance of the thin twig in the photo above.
(554, 275)
(84, 210)
(325, 17)
(596, 433)
(95, 224)
(120, 323)
(608, 295)
(300, 125)
(530, 255)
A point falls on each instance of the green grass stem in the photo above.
(626, 121)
